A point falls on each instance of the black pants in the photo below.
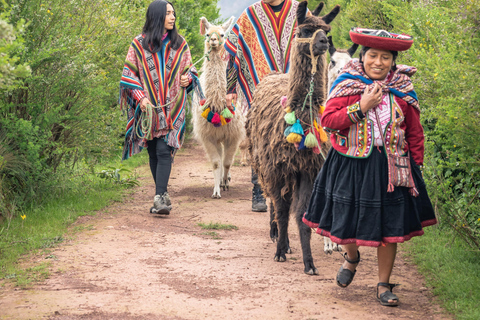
(160, 155)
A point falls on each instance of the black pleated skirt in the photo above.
(350, 202)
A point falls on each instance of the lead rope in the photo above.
(309, 96)
(144, 125)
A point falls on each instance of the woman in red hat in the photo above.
(372, 111)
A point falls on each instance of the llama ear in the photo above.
(228, 24)
(331, 47)
(318, 9)
(329, 17)
(204, 25)
(302, 12)
(352, 49)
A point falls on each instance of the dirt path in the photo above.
(129, 264)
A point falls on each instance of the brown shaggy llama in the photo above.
(287, 174)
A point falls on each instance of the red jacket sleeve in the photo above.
(413, 131)
(340, 113)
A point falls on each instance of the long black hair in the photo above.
(154, 25)
(394, 53)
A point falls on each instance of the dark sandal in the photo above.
(345, 276)
(387, 295)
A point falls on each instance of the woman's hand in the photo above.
(371, 97)
(184, 81)
(143, 104)
(231, 98)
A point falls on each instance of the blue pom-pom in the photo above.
(301, 145)
(287, 131)
(297, 128)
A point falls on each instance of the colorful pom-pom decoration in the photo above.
(288, 109)
(287, 131)
(311, 140)
(283, 101)
(216, 119)
(202, 102)
(297, 128)
(290, 118)
(294, 138)
(205, 113)
(226, 113)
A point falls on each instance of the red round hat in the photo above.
(381, 39)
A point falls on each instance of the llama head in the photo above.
(313, 26)
(338, 59)
(214, 35)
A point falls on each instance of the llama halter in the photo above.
(294, 132)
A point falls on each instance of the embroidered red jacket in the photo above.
(352, 132)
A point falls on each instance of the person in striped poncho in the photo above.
(156, 78)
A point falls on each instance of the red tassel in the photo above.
(202, 102)
(414, 192)
(390, 187)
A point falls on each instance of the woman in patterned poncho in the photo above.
(153, 76)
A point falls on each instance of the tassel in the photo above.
(323, 135)
(210, 116)
(390, 187)
(321, 109)
(226, 113)
(297, 128)
(202, 102)
(294, 138)
(222, 120)
(301, 145)
(287, 131)
(310, 140)
(216, 125)
(290, 118)
(205, 113)
(283, 101)
(216, 119)
(228, 120)
(414, 192)
(288, 109)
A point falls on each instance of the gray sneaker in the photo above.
(161, 204)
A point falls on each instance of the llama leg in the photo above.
(329, 246)
(303, 193)
(214, 152)
(273, 224)
(230, 147)
(282, 209)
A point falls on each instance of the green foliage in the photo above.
(452, 270)
(113, 174)
(64, 113)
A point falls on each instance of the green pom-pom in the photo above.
(287, 131)
(227, 114)
(311, 141)
(290, 118)
(297, 128)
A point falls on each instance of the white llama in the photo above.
(219, 128)
(338, 59)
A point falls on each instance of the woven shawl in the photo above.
(157, 75)
(260, 43)
(353, 80)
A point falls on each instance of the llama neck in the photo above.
(300, 75)
(214, 80)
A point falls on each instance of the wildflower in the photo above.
(23, 216)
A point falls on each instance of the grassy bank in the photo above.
(451, 270)
(42, 227)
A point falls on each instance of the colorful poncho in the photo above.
(353, 80)
(157, 77)
(260, 43)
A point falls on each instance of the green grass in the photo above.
(217, 226)
(451, 269)
(44, 226)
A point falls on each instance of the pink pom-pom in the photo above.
(216, 119)
(283, 101)
(202, 102)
